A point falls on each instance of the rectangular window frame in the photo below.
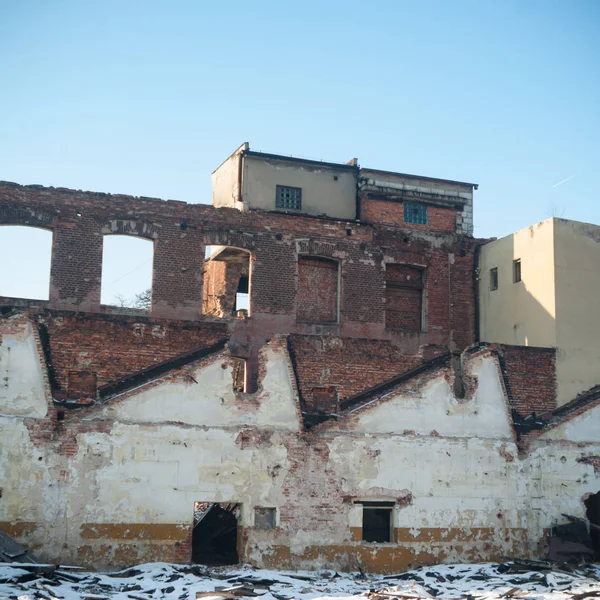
(288, 198)
(415, 213)
(388, 508)
(493, 279)
(516, 270)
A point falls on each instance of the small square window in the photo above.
(377, 524)
(415, 212)
(289, 198)
(517, 270)
(494, 279)
(264, 518)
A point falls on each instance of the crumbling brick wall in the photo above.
(281, 289)
(349, 366)
(389, 212)
(114, 346)
(530, 378)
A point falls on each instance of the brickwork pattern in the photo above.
(115, 347)
(317, 296)
(348, 365)
(387, 212)
(530, 377)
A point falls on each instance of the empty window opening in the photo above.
(377, 522)
(289, 198)
(415, 212)
(517, 270)
(239, 375)
(318, 290)
(25, 267)
(227, 282)
(265, 518)
(127, 271)
(215, 533)
(404, 287)
(592, 506)
(242, 297)
(493, 279)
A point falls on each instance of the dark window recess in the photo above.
(494, 279)
(264, 518)
(404, 297)
(377, 524)
(239, 374)
(242, 298)
(214, 538)
(289, 198)
(517, 270)
(415, 212)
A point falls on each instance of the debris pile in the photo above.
(490, 581)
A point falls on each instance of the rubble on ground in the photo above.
(488, 581)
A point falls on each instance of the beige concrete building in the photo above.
(541, 287)
(249, 179)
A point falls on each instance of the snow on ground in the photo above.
(486, 581)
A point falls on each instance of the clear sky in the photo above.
(148, 97)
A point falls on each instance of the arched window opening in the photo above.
(127, 271)
(227, 282)
(318, 290)
(25, 266)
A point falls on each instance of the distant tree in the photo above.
(143, 300)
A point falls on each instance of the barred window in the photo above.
(415, 212)
(289, 197)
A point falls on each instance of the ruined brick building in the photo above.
(349, 412)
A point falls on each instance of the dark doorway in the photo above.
(214, 538)
(592, 505)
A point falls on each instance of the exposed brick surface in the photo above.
(348, 365)
(115, 346)
(403, 297)
(389, 212)
(290, 291)
(530, 376)
(317, 290)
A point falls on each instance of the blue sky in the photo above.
(147, 98)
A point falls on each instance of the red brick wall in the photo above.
(275, 241)
(317, 297)
(530, 377)
(403, 297)
(387, 212)
(221, 281)
(116, 346)
(349, 365)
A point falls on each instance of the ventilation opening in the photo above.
(214, 538)
(377, 522)
(227, 282)
(317, 295)
(25, 269)
(127, 272)
(592, 505)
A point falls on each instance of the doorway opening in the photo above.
(215, 533)
(592, 512)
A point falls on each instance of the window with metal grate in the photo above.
(415, 212)
(289, 197)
